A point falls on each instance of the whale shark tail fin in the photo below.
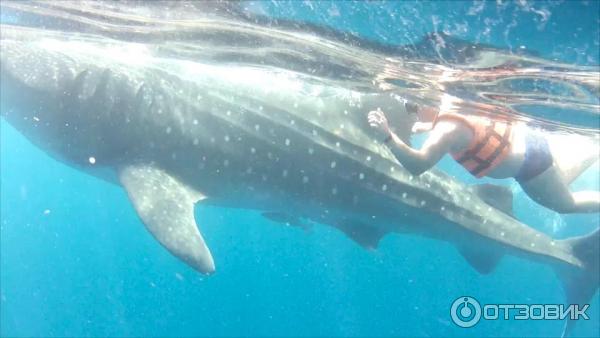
(581, 284)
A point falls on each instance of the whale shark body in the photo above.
(174, 132)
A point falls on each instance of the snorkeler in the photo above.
(494, 148)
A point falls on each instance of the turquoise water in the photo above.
(76, 261)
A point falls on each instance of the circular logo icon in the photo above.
(465, 311)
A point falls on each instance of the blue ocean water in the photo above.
(76, 261)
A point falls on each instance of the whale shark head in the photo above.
(76, 106)
(58, 92)
(33, 77)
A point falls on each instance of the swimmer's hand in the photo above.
(379, 122)
(422, 127)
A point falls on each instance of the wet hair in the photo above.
(411, 108)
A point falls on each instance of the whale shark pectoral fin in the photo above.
(166, 207)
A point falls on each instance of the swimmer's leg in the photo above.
(551, 190)
(573, 154)
(587, 200)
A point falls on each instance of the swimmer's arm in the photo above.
(417, 161)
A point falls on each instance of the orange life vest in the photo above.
(490, 145)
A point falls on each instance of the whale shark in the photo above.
(177, 131)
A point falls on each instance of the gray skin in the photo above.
(175, 132)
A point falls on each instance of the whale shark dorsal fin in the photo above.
(497, 196)
(166, 208)
(484, 261)
(366, 235)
